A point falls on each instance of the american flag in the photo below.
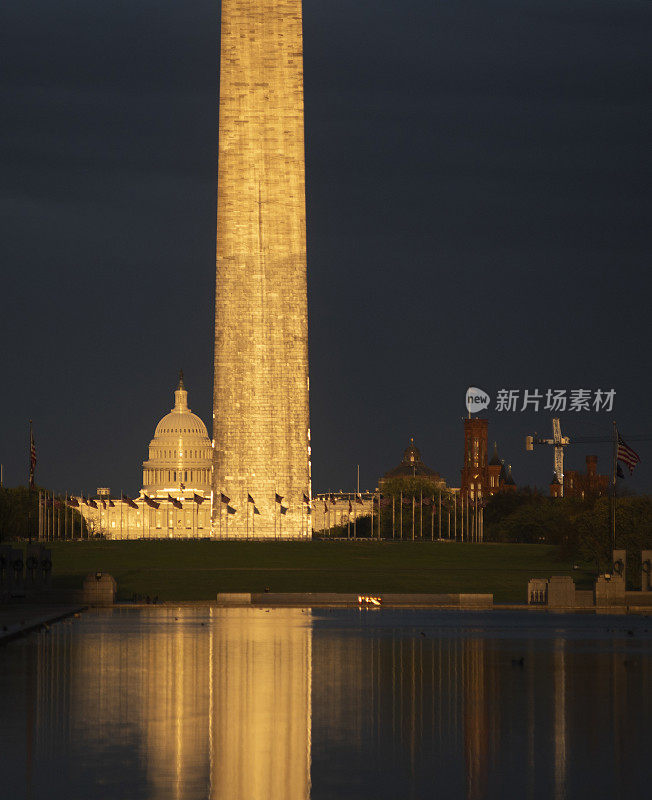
(627, 455)
(32, 456)
(176, 503)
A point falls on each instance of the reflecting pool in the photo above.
(262, 704)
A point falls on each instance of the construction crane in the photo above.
(558, 442)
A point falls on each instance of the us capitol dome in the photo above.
(180, 454)
(175, 501)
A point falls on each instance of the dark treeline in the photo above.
(19, 514)
(581, 528)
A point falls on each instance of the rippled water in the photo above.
(249, 704)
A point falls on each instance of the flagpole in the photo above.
(355, 514)
(373, 500)
(31, 469)
(461, 516)
(455, 517)
(400, 521)
(613, 486)
(439, 517)
(380, 500)
(421, 513)
(412, 516)
(393, 515)
(328, 510)
(432, 519)
(348, 519)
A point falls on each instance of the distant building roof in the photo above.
(411, 466)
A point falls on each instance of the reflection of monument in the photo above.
(261, 701)
(218, 699)
(191, 703)
(260, 401)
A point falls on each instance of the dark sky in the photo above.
(478, 177)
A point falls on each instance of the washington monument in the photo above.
(261, 464)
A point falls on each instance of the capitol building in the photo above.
(176, 498)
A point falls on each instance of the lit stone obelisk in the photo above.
(260, 397)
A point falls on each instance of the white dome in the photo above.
(180, 454)
(180, 423)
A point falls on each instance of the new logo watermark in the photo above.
(555, 400)
(476, 400)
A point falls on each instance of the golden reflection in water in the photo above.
(241, 704)
(261, 694)
(221, 713)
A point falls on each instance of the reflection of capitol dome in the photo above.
(180, 454)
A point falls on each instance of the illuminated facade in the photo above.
(175, 501)
(260, 400)
(180, 454)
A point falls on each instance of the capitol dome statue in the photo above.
(180, 454)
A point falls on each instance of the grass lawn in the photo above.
(197, 570)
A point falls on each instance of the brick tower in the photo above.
(260, 396)
(474, 472)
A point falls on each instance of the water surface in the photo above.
(249, 704)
